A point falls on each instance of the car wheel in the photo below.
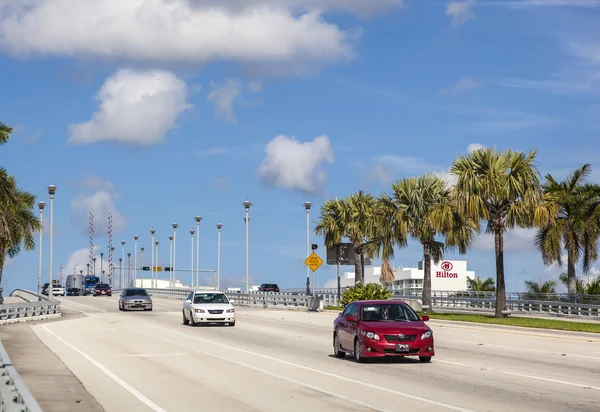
(232, 323)
(192, 322)
(185, 321)
(337, 352)
(357, 352)
(425, 359)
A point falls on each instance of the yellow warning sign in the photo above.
(313, 261)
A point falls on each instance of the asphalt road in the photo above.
(282, 360)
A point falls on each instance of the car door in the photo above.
(353, 326)
(188, 301)
(345, 334)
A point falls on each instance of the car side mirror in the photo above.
(350, 318)
(188, 301)
(425, 318)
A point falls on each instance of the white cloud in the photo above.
(79, 259)
(523, 4)
(224, 95)
(465, 84)
(134, 107)
(290, 36)
(389, 168)
(473, 147)
(290, 164)
(100, 202)
(515, 240)
(461, 11)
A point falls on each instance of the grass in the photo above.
(536, 323)
(340, 308)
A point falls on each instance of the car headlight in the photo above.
(125, 301)
(370, 335)
(427, 334)
(199, 310)
(230, 310)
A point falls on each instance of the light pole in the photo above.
(192, 265)
(129, 269)
(171, 260)
(102, 265)
(198, 219)
(122, 277)
(219, 226)
(307, 206)
(41, 205)
(156, 279)
(51, 192)
(247, 205)
(174, 248)
(135, 243)
(142, 249)
(152, 231)
(94, 260)
(111, 270)
(88, 269)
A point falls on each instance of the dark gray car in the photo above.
(135, 298)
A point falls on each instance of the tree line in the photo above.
(494, 191)
(18, 222)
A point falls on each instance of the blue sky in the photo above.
(158, 111)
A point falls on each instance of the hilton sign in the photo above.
(445, 272)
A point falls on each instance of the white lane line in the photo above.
(92, 330)
(108, 373)
(85, 306)
(79, 310)
(523, 349)
(449, 362)
(332, 375)
(153, 355)
(266, 372)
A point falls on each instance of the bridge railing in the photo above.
(33, 308)
(14, 394)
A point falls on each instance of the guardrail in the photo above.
(14, 394)
(33, 309)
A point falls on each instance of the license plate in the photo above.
(402, 348)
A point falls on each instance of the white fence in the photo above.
(33, 308)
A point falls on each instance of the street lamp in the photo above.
(122, 277)
(129, 269)
(102, 265)
(174, 248)
(135, 241)
(88, 269)
(219, 226)
(192, 265)
(152, 231)
(156, 279)
(111, 269)
(170, 258)
(142, 249)
(198, 219)
(307, 206)
(94, 260)
(247, 205)
(51, 191)
(41, 205)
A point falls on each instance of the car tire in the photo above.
(357, 353)
(231, 323)
(192, 322)
(425, 359)
(185, 321)
(337, 352)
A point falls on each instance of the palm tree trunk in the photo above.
(571, 276)
(2, 253)
(357, 265)
(427, 276)
(500, 287)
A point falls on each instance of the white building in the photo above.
(447, 275)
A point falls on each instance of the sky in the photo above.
(156, 111)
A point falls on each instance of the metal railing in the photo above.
(14, 394)
(33, 308)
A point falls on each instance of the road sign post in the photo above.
(313, 262)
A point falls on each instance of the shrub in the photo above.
(371, 291)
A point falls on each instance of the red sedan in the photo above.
(379, 328)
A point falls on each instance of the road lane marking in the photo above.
(152, 355)
(79, 310)
(321, 372)
(524, 349)
(85, 306)
(92, 330)
(108, 373)
(451, 363)
(266, 372)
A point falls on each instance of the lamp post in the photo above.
(111, 270)
(102, 265)
(41, 205)
(192, 265)
(307, 206)
(152, 231)
(247, 205)
(171, 259)
(51, 191)
(198, 219)
(142, 249)
(128, 269)
(135, 243)
(174, 249)
(94, 260)
(122, 277)
(156, 278)
(88, 269)
(219, 226)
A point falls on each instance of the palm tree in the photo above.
(422, 207)
(352, 218)
(579, 286)
(478, 285)
(503, 189)
(5, 131)
(574, 229)
(548, 287)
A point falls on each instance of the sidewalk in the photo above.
(52, 384)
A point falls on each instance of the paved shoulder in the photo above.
(52, 384)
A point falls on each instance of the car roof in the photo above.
(197, 292)
(376, 302)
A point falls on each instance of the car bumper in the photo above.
(214, 318)
(418, 347)
(139, 306)
(104, 292)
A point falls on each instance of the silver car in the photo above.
(135, 298)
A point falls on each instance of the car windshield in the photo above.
(388, 312)
(203, 298)
(136, 292)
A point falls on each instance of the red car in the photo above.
(102, 289)
(379, 328)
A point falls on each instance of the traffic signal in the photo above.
(147, 268)
(167, 269)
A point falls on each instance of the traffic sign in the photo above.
(158, 268)
(147, 268)
(313, 261)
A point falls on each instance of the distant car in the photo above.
(208, 307)
(57, 289)
(73, 292)
(268, 287)
(135, 298)
(380, 328)
(102, 289)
